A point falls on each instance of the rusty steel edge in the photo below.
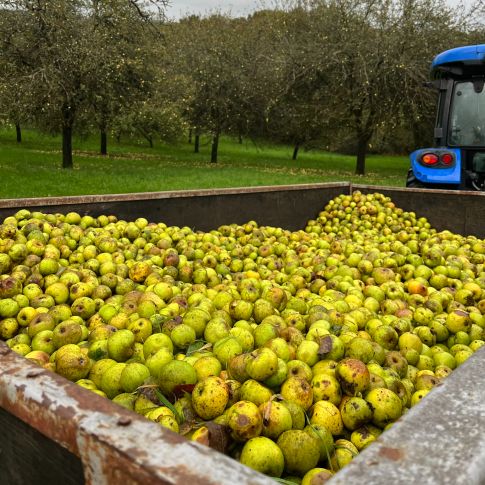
(115, 445)
(141, 196)
(409, 191)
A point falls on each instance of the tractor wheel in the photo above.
(413, 182)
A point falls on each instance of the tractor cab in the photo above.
(458, 159)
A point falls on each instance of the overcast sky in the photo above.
(179, 8)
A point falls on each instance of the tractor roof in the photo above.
(459, 62)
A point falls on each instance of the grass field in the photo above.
(33, 167)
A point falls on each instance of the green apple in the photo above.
(121, 345)
(133, 376)
(263, 455)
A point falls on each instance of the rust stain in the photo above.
(123, 421)
(50, 413)
(4, 350)
(393, 454)
(109, 465)
(182, 475)
(34, 373)
(56, 422)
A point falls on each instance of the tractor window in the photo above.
(467, 121)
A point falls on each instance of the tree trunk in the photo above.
(190, 136)
(18, 130)
(215, 147)
(295, 151)
(362, 143)
(68, 115)
(197, 143)
(240, 139)
(104, 142)
(67, 145)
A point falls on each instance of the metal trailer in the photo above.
(54, 431)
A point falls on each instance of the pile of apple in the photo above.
(290, 351)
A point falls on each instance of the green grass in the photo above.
(33, 167)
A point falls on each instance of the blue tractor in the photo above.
(458, 159)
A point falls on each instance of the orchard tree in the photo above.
(123, 76)
(58, 54)
(370, 46)
(207, 53)
(53, 40)
(364, 83)
(157, 116)
(260, 73)
(15, 99)
(16, 64)
(297, 112)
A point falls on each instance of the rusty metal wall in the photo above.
(282, 206)
(458, 211)
(27, 457)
